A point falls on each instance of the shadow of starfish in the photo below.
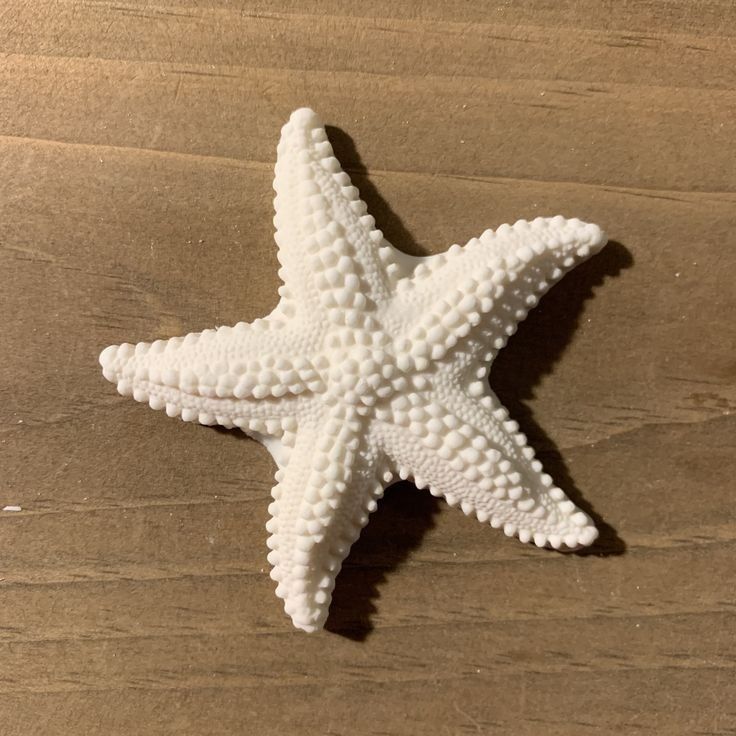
(405, 514)
(538, 345)
(532, 353)
(386, 219)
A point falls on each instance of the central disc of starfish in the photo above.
(363, 369)
(374, 365)
(360, 374)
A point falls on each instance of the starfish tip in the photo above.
(305, 117)
(108, 355)
(587, 536)
(596, 235)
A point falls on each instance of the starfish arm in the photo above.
(323, 496)
(469, 453)
(492, 282)
(329, 248)
(233, 376)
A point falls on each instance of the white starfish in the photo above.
(373, 365)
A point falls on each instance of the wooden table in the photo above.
(137, 142)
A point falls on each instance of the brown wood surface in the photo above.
(137, 141)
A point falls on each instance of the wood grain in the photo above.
(137, 141)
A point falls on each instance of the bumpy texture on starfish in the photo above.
(373, 366)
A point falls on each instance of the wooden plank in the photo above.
(510, 648)
(137, 143)
(152, 296)
(394, 47)
(473, 124)
(596, 703)
(441, 586)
